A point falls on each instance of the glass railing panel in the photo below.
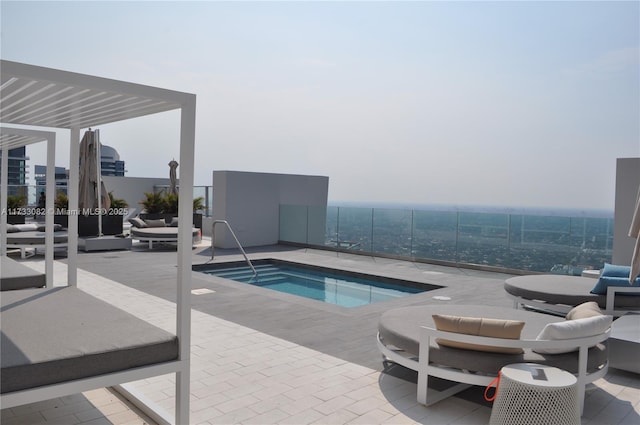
(434, 235)
(483, 238)
(331, 227)
(355, 228)
(391, 231)
(316, 224)
(293, 223)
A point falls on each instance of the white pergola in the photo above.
(15, 137)
(32, 97)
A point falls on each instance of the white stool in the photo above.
(531, 394)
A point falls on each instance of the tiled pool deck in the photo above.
(264, 357)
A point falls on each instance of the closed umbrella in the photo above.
(634, 232)
(90, 178)
(173, 165)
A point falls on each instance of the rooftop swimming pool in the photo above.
(339, 287)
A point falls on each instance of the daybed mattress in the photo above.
(56, 335)
(14, 275)
(400, 327)
(568, 290)
(34, 238)
(160, 233)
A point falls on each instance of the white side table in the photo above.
(532, 394)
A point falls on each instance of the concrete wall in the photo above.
(132, 189)
(250, 202)
(627, 186)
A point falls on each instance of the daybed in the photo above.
(14, 275)
(158, 231)
(32, 237)
(65, 336)
(407, 336)
(559, 293)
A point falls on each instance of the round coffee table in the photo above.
(532, 394)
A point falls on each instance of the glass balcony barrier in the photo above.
(556, 244)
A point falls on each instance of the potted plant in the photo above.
(15, 203)
(61, 203)
(198, 207)
(155, 206)
(111, 221)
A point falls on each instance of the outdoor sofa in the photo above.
(159, 231)
(409, 337)
(560, 293)
(31, 236)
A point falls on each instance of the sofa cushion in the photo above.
(496, 328)
(29, 227)
(174, 222)
(43, 227)
(570, 329)
(155, 223)
(614, 270)
(584, 310)
(12, 228)
(606, 281)
(137, 222)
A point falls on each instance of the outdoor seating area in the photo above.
(559, 294)
(159, 232)
(474, 353)
(31, 237)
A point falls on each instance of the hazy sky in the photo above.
(469, 103)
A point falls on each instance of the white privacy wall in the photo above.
(627, 183)
(250, 202)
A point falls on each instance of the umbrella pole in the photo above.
(99, 186)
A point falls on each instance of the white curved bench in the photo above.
(406, 336)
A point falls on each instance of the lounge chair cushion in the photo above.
(496, 328)
(43, 227)
(28, 227)
(137, 222)
(14, 275)
(570, 329)
(614, 270)
(606, 281)
(35, 238)
(61, 334)
(155, 223)
(584, 310)
(174, 222)
(12, 228)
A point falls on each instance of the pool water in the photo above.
(328, 285)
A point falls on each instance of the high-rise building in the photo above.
(110, 165)
(17, 171)
(110, 162)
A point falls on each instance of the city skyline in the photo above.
(514, 104)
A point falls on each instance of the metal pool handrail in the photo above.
(213, 238)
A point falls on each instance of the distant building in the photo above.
(61, 176)
(110, 162)
(110, 165)
(17, 171)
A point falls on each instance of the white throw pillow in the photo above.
(570, 329)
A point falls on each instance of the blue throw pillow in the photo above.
(605, 281)
(612, 270)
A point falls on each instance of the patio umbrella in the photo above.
(173, 165)
(90, 178)
(634, 232)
